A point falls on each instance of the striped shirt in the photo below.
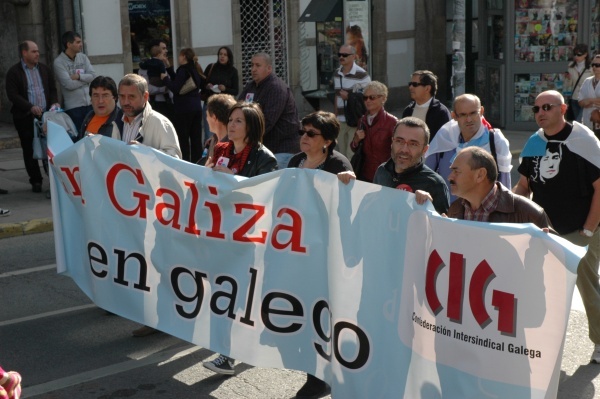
(133, 131)
(35, 87)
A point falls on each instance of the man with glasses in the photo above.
(405, 169)
(105, 117)
(349, 77)
(422, 87)
(469, 128)
(570, 195)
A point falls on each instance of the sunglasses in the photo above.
(416, 84)
(545, 107)
(309, 133)
(372, 98)
(579, 54)
(595, 65)
(344, 55)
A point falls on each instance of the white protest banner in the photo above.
(357, 285)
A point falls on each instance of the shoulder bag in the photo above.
(188, 86)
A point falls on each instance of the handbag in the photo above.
(40, 143)
(358, 159)
(354, 106)
(188, 86)
(205, 93)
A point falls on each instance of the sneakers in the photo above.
(11, 385)
(596, 354)
(312, 388)
(4, 212)
(221, 365)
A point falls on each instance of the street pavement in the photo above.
(32, 213)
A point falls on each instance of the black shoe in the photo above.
(3, 191)
(36, 187)
(312, 388)
(221, 365)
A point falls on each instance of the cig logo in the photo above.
(505, 303)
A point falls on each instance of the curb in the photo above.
(12, 142)
(25, 228)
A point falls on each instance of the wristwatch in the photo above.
(587, 232)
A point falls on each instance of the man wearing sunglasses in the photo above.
(422, 87)
(570, 195)
(469, 128)
(349, 77)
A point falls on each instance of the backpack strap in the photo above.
(493, 147)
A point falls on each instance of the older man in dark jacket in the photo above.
(31, 89)
(481, 198)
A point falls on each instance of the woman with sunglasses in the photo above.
(579, 70)
(589, 95)
(375, 131)
(318, 138)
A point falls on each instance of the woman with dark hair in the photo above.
(318, 138)
(242, 155)
(221, 77)
(188, 106)
(579, 70)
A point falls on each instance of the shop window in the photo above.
(264, 29)
(595, 29)
(545, 30)
(149, 20)
(527, 88)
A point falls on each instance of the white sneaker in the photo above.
(4, 212)
(596, 355)
(221, 365)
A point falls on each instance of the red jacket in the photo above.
(376, 144)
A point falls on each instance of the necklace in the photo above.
(320, 165)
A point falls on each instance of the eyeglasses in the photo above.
(372, 97)
(413, 145)
(309, 133)
(545, 107)
(596, 65)
(344, 55)
(416, 84)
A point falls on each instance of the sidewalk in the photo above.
(32, 212)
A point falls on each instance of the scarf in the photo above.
(236, 161)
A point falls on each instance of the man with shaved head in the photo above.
(468, 128)
(561, 167)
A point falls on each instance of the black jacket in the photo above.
(106, 129)
(437, 115)
(261, 160)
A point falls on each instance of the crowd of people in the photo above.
(453, 158)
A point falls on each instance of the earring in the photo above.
(324, 149)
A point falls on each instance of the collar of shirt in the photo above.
(132, 131)
(487, 206)
(425, 104)
(25, 67)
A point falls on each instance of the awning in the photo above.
(322, 11)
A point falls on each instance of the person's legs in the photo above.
(283, 159)
(182, 127)
(345, 139)
(165, 108)
(25, 130)
(196, 136)
(588, 285)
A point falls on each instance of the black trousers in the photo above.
(24, 127)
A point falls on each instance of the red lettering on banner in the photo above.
(163, 206)
(295, 230)
(240, 233)
(76, 188)
(503, 302)
(215, 212)
(111, 177)
(192, 227)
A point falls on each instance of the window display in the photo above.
(545, 30)
(595, 29)
(528, 86)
